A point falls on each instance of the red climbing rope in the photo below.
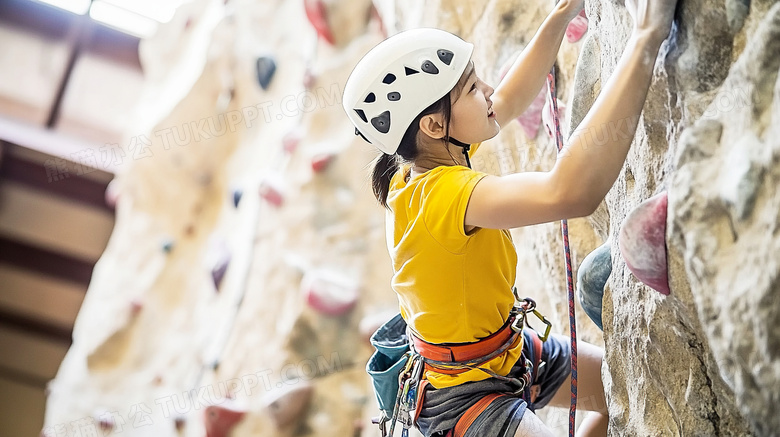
(567, 256)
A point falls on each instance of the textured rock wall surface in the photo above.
(160, 343)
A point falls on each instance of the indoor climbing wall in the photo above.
(248, 261)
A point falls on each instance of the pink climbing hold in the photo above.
(329, 293)
(271, 190)
(309, 79)
(320, 163)
(291, 140)
(286, 404)
(643, 243)
(531, 119)
(577, 27)
(318, 17)
(136, 305)
(220, 419)
(112, 193)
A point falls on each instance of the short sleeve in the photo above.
(447, 195)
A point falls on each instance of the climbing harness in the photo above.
(567, 258)
(453, 359)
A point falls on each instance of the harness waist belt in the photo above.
(467, 352)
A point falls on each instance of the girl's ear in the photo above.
(433, 126)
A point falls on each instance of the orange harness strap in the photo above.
(472, 413)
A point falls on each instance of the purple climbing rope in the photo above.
(567, 256)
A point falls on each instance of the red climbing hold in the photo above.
(318, 17)
(287, 404)
(220, 419)
(321, 162)
(219, 259)
(291, 140)
(577, 27)
(329, 293)
(271, 190)
(643, 243)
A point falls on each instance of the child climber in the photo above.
(472, 370)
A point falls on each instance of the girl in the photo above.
(416, 97)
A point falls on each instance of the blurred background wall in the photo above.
(189, 245)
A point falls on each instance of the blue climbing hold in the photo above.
(237, 193)
(266, 67)
(592, 277)
(167, 245)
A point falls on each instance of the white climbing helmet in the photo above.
(400, 77)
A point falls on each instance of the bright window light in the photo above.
(158, 10)
(122, 19)
(76, 6)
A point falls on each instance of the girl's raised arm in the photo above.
(525, 78)
(585, 171)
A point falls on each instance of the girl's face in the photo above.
(473, 119)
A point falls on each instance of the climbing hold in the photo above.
(136, 305)
(592, 278)
(286, 404)
(112, 193)
(179, 423)
(309, 79)
(643, 243)
(577, 27)
(329, 292)
(318, 17)
(547, 116)
(321, 162)
(266, 67)
(291, 140)
(375, 15)
(220, 419)
(218, 258)
(167, 245)
(237, 193)
(271, 190)
(531, 119)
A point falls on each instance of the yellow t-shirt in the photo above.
(451, 287)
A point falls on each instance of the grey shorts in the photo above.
(443, 408)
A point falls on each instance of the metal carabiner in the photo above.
(544, 320)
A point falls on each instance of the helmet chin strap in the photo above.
(465, 147)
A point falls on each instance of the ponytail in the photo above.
(385, 167)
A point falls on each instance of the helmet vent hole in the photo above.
(362, 115)
(394, 96)
(389, 78)
(410, 71)
(445, 56)
(429, 68)
(370, 98)
(382, 122)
